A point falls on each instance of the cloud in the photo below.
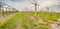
(21, 4)
(0, 0)
(17, 0)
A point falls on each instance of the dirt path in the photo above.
(55, 25)
(6, 17)
(3, 19)
(19, 25)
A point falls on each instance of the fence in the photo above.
(6, 9)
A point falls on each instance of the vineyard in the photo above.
(29, 14)
(5, 13)
(27, 20)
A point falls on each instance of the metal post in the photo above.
(58, 13)
(0, 10)
(6, 11)
(26, 9)
(13, 10)
(35, 7)
(0, 7)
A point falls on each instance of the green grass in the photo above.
(51, 15)
(12, 22)
(26, 22)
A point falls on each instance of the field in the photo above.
(5, 13)
(50, 15)
(27, 20)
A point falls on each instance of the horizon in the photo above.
(22, 4)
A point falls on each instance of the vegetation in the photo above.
(50, 15)
(28, 21)
(5, 13)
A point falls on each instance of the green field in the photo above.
(50, 15)
(27, 22)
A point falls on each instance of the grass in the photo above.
(26, 22)
(51, 15)
(5, 13)
(12, 22)
(9, 23)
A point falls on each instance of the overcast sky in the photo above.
(22, 4)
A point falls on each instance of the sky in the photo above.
(22, 4)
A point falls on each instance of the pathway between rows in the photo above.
(6, 17)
